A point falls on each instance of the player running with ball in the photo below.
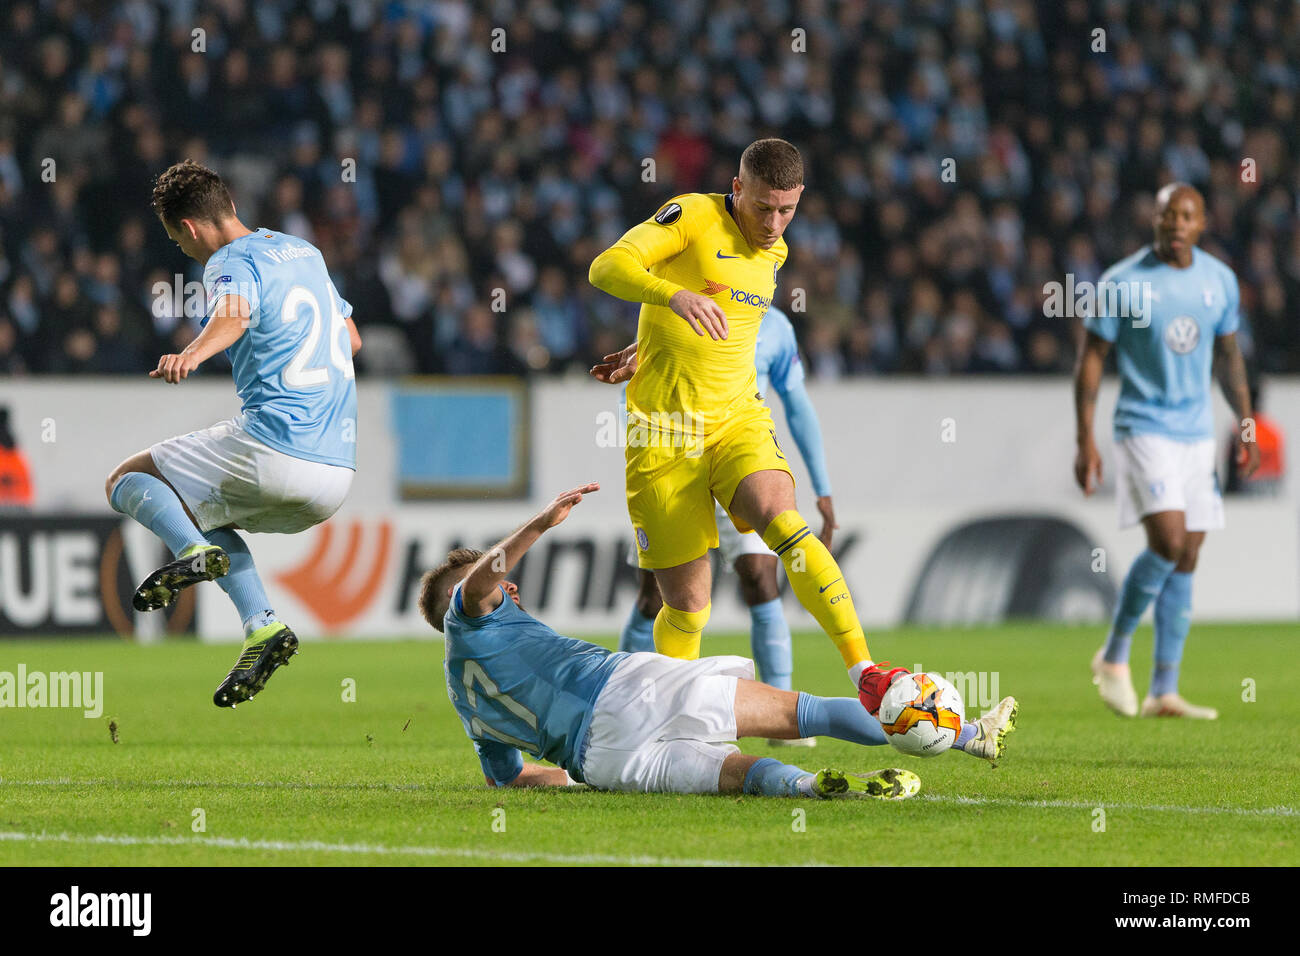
(704, 268)
(286, 462)
(780, 370)
(1164, 440)
(618, 721)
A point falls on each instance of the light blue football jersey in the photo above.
(776, 355)
(1165, 367)
(776, 359)
(293, 364)
(518, 685)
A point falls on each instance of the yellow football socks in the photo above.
(818, 583)
(677, 633)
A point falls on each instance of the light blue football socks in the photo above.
(843, 718)
(1144, 581)
(152, 502)
(1173, 621)
(965, 736)
(769, 637)
(771, 778)
(242, 584)
(638, 633)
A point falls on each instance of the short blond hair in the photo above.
(433, 586)
(774, 162)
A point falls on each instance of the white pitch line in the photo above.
(1276, 811)
(307, 846)
(1279, 811)
(205, 784)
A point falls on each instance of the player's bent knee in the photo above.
(1169, 547)
(1187, 559)
(757, 585)
(116, 475)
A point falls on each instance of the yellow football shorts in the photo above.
(672, 484)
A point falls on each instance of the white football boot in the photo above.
(1171, 705)
(1115, 682)
(991, 731)
(797, 742)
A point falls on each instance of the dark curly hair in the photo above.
(190, 190)
(774, 162)
(433, 586)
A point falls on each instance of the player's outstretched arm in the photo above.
(479, 593)
(1230, 369)
(535, 775)
(229, 319)
(1087, 383)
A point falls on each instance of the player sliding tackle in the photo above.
(286, 463)
(619, 721)
(704, 268)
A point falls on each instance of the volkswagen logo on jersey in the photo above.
(1182, 334)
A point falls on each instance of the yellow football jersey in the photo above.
(686, 380)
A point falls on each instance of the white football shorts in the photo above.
(226, 476)
(662, 725)
(1154, 474)
(731, 543)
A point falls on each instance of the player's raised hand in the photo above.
(829, 524)
(616, 367)
(1087, 466)
(173, 368)
(559, 509)
(703, 314)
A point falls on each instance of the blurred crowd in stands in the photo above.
(959, 156)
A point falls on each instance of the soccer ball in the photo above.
(921, 714)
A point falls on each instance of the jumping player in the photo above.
(619, 721)
(1164, 439)
(286, 462)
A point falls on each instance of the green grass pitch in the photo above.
(299, 776)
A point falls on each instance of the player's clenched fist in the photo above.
(701, 312)
(1087, 466)
(1247, 456)
(173, 368)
